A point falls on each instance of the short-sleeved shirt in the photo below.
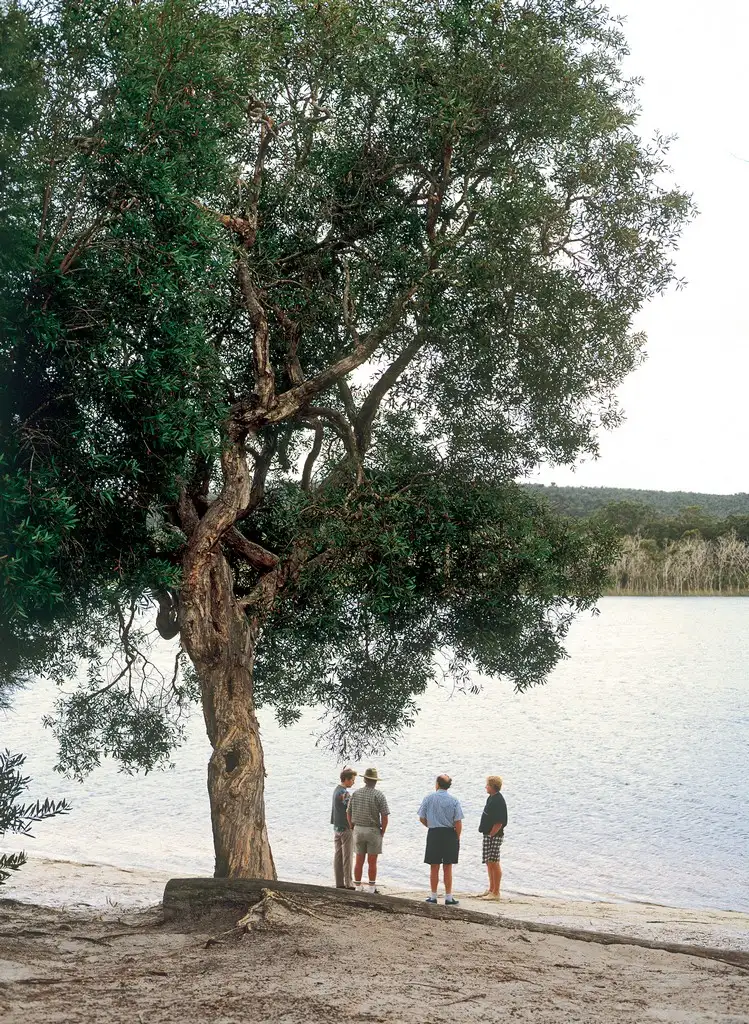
(338, 818)
(440, 809)
(366, 805)
(495, 813)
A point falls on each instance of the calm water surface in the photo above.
(625, 776)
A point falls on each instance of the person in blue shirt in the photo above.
(442, 815)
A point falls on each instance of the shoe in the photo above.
(431, 899)
(452, 902)
(489, 896)
(483, 895)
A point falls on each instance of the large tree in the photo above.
(292, 292)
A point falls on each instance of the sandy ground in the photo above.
(721, 929)
(310, 961)
(106, 887)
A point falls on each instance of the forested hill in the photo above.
(583, 501)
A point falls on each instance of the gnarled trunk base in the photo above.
(221, 644)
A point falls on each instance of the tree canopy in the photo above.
(292, 293)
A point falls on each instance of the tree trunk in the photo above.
(220, 640)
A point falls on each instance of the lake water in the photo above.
(626, 776)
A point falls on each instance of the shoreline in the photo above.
(673, 593)
(93, 889)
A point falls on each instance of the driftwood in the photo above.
(194, 896)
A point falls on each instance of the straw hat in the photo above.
(371, 773)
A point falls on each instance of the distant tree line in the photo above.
(582, 502)
(685, 553)
(630, 519)
(671, 542)
(691, 565)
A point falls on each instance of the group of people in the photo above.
(360, 819)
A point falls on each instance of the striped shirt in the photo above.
(366, 805)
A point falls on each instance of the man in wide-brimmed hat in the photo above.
(368, 814)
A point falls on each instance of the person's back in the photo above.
(440, 808)
(368, 814)
(442, 815)
(366, 805)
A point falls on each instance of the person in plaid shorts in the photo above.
(492, 827)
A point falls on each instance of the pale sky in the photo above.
(686, 426)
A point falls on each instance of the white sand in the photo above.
(322, 963)
(67, 885)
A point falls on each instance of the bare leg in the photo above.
(434, 876)
(358, 867)
(495, 876)
(372, 864)
(447, 874)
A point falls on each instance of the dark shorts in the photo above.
(491, 848)
(443, 846)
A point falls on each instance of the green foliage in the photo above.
(461, 182)
(628, 519)
(484, 574)
(584, 501)
(19, 818)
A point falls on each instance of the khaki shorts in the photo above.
(367, 840)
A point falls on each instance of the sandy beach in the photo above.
(98, 888)
(314, 961)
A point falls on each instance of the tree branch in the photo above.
(265, 381)
(293, 333)
(348, 400)
(343, 429)
(255, 554)
(263, 460)
(246, 416)
(371, 405)
(221, 513)
(309, 462)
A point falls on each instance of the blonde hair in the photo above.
(495, 781)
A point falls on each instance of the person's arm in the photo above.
(458, 822)
(422, 813)
(499, 810)
(382, 806)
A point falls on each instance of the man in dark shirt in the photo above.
(343, 837)
(492, 827)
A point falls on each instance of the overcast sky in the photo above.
(686, 426)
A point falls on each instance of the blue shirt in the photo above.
(440, 809)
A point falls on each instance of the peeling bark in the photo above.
(220, 639)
